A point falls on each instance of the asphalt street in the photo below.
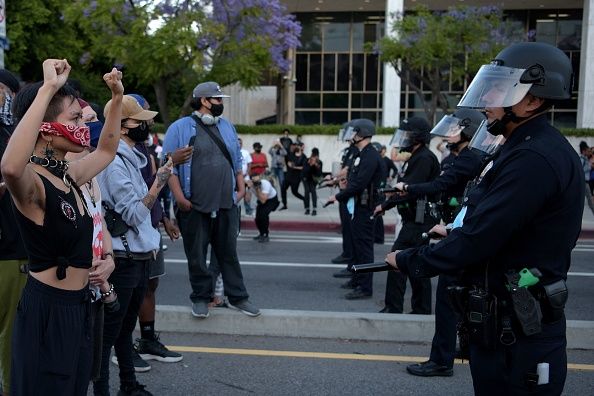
(293, 271)
(243, 365)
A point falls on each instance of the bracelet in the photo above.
(108, 293)
(107, 254)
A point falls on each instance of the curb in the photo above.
(336, 325)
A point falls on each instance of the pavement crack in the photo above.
(234, 386)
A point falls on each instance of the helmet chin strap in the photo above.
(497, 127)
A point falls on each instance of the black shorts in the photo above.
(51, 343)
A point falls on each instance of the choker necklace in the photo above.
(56, 167)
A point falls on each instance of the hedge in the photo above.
(333, 130)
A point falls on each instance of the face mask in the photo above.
(95, 127)
(5, 111)
(140, 133)
(407, 149)
(216, 109)
(80, 135)
(452, 146)
(257, 150)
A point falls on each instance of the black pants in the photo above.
(199, 230)
(293, 183)
(362, 230)
(504, 371)
(51, 341)
(409, 236)
(263, 211)
(443, 346)
(310, 191)
(130, 279)
(345, 228)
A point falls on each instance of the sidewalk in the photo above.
(327, 219)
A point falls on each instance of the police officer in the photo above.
(359, 194)
(422, 166)
(526, 212)
(346, 162)
(458, 129)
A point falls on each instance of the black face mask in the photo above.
(140, 133)
(216, 109)
(407, 149)
(453, 146)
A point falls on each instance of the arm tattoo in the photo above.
(149, 200)
(162, 179)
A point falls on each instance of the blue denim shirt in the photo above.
(178, 135)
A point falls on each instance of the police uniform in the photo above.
(421, 167)
(363, 178)
(451, 183)
(345, 220)
(525, 212)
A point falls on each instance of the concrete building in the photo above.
(335, 79)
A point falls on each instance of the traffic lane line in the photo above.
(326, 355)
(318, 265)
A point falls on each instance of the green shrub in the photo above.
(333, 130)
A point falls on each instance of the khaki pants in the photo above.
(12, 281)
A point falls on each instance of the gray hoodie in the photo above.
(123, 188)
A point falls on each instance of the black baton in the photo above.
(371, 267)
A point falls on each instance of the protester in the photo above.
(206, 192)
(126, 196)
(13, 257)
(277, 161)
(57, 230)
(267, 203)
(259, 160)
(295, 162)
(312, 173)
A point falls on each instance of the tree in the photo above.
(428, 48)
(168, 45)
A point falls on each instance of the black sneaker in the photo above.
(134, 390)
(340, 259)
(314, 213)
(306, 211)
(140, 366)
(263, 238)
(357, 294)
(155, 350)
(284, 207)
(429, 369)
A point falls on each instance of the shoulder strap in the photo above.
(215, 139)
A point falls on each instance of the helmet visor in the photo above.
(448, 126)
(341, 132)
(402, 138)
(484, 141)
(349, 134)
(495, 86)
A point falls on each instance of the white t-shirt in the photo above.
(245, 161)
(268, 189)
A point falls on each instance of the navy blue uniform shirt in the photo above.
(366, 171)
(421, 167)
(525, 212)
(466, 165)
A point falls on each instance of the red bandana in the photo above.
(80, 135)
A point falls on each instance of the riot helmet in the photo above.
(485, 142)
(362, 127)
(341, 132)
(529, 67)
(413, 130)
(464, 122)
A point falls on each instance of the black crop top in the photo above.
(65, 237)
